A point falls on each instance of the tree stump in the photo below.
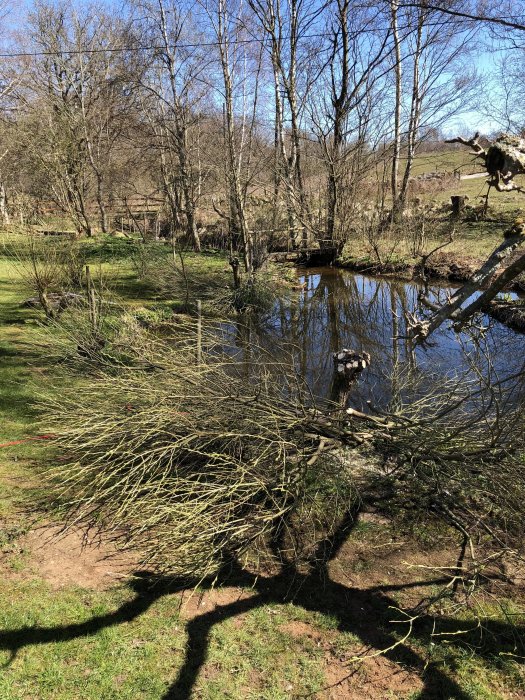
(458, 204)
(234, 263)
(348, 365)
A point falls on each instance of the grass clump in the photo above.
(255, 294)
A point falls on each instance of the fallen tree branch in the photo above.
(481, 303)
(477, 148)
(421, 329)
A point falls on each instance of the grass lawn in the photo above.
(460, 159)
(473, 239)
(244, 640)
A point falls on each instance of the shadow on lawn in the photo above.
(362, 612)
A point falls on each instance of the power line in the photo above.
(121, 49)
(193, 45)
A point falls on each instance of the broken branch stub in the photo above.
(504, 159)
(477, 148)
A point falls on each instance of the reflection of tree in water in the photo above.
(340, 309)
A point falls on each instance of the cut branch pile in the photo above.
(199, 464)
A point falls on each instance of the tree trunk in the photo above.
(506, 157)
(235, 189)
(4, 214)
(101, 205)
(414, 121)
(180, 134)
(397, 110)
(458, 205)
(421, 330)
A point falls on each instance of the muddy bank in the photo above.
(442, 268)
(511, 313)
(450, 267)
(446, 267)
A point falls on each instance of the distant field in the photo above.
(446, 161)
(476, 189)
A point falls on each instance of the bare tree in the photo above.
(55, 131)
(173, 81)
(341, 113)
(398, 71)
(105, 96)
(233, 60)
(9, 81)
(74, 107)
(432, 83)
(285, 26)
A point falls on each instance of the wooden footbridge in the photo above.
(324, 253)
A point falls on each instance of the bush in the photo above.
(258, 294)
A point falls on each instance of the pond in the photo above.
(337, 308)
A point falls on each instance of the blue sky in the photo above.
(465, 123)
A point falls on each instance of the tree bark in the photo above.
(421, 330)
(397, 107)
(4, 214)
(236, 200)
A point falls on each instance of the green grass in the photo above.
(473, 238)
(141, 657)
(460, 159)
(71, 643)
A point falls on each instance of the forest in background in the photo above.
(274, 123)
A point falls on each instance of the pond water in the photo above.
(338, 308)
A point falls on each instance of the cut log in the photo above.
(349, 363)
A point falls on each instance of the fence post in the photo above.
(199, 331)
(92, 302)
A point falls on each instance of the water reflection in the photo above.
(340, 309)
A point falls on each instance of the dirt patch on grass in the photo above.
(298, 630)
(195, 603)
(375, 678)
(65, 559)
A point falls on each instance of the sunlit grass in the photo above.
(250, 658)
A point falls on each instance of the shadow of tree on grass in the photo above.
(362, 612)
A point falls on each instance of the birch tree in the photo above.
(433, 82)
(226, 28)
(284, 25)
(175, 89)
(8, 83)
(357, 52)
